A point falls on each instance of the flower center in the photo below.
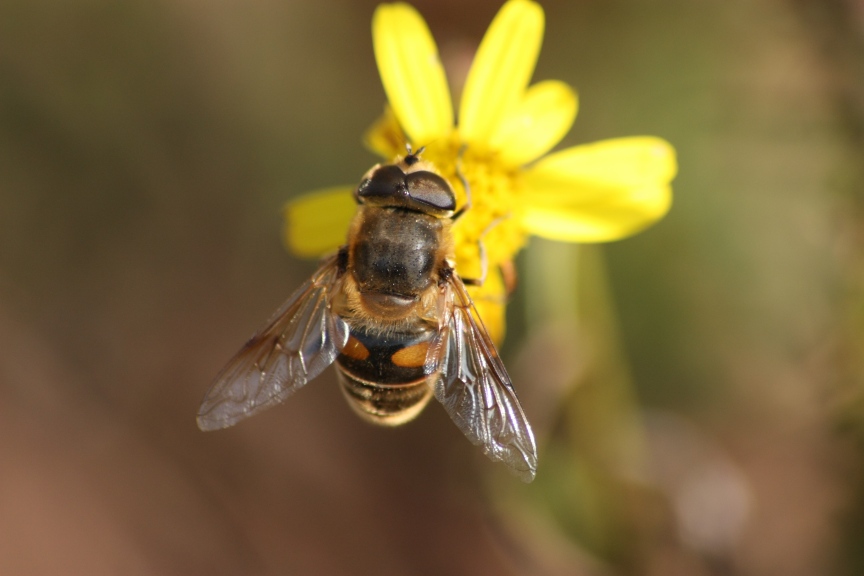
(492, 218)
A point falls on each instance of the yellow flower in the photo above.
(590, 193)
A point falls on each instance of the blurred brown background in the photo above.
(697, 390)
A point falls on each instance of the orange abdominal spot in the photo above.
(355, 349)
(412, 356)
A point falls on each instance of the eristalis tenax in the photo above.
(392, 313)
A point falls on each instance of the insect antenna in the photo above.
(413, 157)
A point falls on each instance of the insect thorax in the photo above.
(395, 251)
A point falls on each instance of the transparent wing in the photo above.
(301, 339)
(474, 387)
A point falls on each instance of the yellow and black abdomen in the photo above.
(382, 376)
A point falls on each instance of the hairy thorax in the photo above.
(394, 259)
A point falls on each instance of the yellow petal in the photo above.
(317, 223)
(501, 70)
(598, 192)
(537, 124)
(634, 160)
(411, 72)
(385, 136)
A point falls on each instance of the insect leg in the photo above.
(481, 247)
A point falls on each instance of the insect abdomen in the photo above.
(382, 374)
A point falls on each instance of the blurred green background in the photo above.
(696, 390)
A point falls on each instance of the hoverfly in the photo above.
(391, 312)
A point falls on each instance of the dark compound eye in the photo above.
(421, 191)
(386, 181)
(431, 189)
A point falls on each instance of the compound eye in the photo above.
(385, 182)
(431, 189)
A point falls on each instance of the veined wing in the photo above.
(474, 386)
(301, 339)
